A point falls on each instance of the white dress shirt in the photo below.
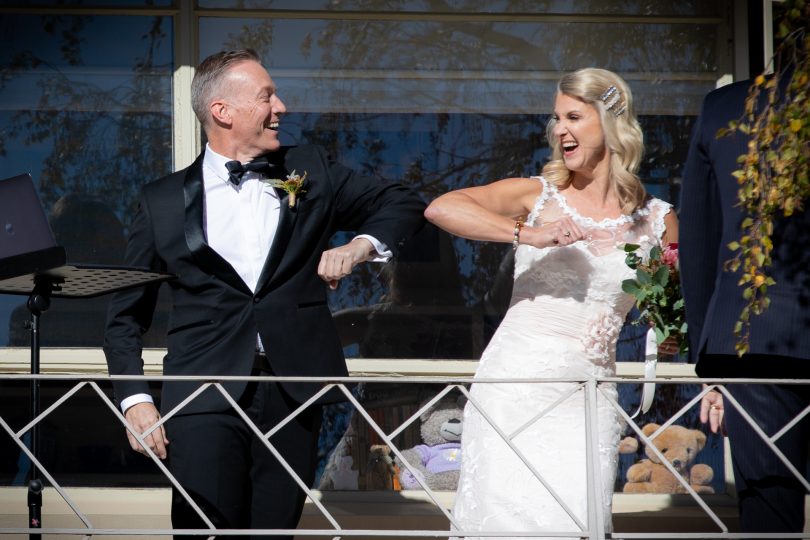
(240, 223)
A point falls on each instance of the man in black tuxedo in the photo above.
(770, 497)
(249, 298)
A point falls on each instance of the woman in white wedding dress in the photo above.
(564, 318)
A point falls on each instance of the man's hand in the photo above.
(338, 262)
(711, 411)
(141, 417)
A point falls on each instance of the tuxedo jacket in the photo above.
(215, 317)
(709, 220)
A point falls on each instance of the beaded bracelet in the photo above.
(516, 234)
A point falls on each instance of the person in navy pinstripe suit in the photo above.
(770, 496)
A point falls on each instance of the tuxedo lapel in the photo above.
(286, 223)
(208, 259)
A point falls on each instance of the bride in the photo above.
(564, 318)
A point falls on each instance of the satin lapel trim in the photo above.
(286, 224)
(207, 259)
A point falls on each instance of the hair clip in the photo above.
(611, 98)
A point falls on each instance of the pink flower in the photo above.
(670, 255)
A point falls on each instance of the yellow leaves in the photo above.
(774, 171)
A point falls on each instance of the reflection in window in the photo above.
(471, 67)
(465, 7)
(88, 113)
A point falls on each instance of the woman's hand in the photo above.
(562, 232)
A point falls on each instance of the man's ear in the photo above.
(220, 112)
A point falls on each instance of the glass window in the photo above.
(88, 4)
(465, 7)
(392, 88)
(88, 112)
(442, 103)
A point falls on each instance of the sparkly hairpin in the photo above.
(613, 98)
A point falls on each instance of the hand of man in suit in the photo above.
(141, 417)
(338, 262)
(711, 411)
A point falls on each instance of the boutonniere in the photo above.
(293, 185)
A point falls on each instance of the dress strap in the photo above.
(658, 210)
(541, 199)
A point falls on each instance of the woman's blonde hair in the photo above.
(623, 136)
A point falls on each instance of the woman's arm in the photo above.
(489, 213)
(671, 231)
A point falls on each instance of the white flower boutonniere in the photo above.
(293, 185)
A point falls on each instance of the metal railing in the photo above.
(592, 389)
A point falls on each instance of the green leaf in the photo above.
(630, 286)
(629, 248)
(660, 336)
(662, 276)
(748, 293)
(643, 277)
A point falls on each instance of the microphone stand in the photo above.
(40, 285)
(38, 302)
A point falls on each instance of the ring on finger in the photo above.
(567, 233)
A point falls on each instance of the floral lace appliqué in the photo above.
(603, 330)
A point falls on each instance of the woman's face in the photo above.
(579, 134)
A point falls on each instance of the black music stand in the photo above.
(65, 281)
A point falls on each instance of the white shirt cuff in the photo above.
(383, 253)
(134, 399)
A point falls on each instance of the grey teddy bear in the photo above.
(437, 461)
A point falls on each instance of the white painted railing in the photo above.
(592, 528)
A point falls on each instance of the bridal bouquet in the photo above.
(657, 290)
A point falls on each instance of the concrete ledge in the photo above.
(405, 510)
(90, 361)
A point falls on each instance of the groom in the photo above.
(252, 269)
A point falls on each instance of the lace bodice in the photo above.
(586, 276)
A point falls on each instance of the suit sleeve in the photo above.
(700, 228)
(390, 212)
(130, 312)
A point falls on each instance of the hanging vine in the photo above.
(773, 174)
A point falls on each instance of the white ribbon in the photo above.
(650, 360)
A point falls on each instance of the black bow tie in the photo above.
(236, 169)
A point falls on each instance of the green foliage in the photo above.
(773, 174)
(657, 291)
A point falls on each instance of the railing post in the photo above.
(596, 522)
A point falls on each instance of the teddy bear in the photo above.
(437, 461)
(680, 446)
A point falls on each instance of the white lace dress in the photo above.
(564, 318)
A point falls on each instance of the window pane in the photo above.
(341, 65)
(448, 102)
(87, 111)
(601, 7)
(88, 3)
(443, 105)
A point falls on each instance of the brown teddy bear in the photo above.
(680, 446)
